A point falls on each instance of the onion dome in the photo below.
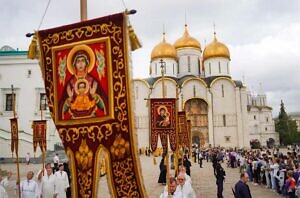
(163, 50)
(186, 41)
(216, 49)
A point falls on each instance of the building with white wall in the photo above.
(25, 77)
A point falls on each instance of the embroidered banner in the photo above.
(163, 122)
(86, 71)
(14, 135)
(183, 136)
(189, 132)
(39, 134)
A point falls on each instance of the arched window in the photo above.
(219, 67)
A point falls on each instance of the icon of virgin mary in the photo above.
(83, 95)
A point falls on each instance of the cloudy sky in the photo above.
(263, 36)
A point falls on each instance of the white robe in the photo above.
(61, 183)
(29, 189)
(3, 193)
(186, 190)
(48, 186)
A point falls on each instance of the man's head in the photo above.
(244, 177)
(49, 171)
(182, 169)
(30, 175)
(173, 185)
(181, 179)
(61, 167)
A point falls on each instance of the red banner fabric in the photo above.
(163, 122)
(189, 132)
(39, 134)
(183, 135)
(14, 134)
(86, 72)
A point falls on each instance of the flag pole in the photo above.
(177, 135)
(17, 153)
(83, 10)
(43, 146)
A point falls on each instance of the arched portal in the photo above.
(197, 111)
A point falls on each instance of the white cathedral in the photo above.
(221, 110)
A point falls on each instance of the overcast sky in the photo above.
(263, 36)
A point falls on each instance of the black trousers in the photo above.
(220, 188)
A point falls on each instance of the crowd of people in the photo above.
(50, 181)
(278, 170)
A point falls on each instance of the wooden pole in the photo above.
(177, 135)
(17, 153)
(168, 172)
(83, 10)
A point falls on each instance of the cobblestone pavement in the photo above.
(202, 178)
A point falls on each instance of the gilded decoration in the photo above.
(76, 60)
(124, 175)
(120, 147)
(84, 156)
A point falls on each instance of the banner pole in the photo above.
(83, 10)
(17, 153)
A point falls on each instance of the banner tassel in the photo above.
(32, 51)
(134, 41)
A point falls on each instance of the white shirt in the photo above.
(56, 159)
(48, 186)
(29, 189)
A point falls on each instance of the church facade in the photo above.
(221, 110)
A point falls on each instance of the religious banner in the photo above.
(86, 71)
(14, 135)
(39, 134)
(163, 122)
(189, 132)
(183, 136)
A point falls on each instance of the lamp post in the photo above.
(163, 69)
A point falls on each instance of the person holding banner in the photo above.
(173, 192)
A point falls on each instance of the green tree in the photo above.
(286, 127)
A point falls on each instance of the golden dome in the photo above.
(186, 41)
(216, 49)
(163, 50)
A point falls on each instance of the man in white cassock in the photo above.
(40, 174)
(29, 188)
(185, 187)
(48, 184)
(61, 182)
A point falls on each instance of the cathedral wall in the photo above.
(217, 67)
(171, 68)
(194, 88)
(225, 136)
(189, 61)
(170, 89)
